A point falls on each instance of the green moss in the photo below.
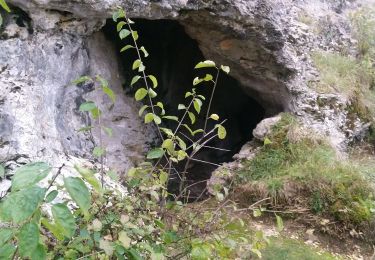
(308, 168)
(289, 249)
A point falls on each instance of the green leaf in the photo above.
(136, 64)
(140, 94)
(157, 120)
(221, 131)
(5, 235)
(173, 118)
(87, 106)
(152, 93)
(135, 35)
(181, 107)
(53, 229)
(51, 196)
(109, 92)
(120, 25)
(144, 51)
(198, 131)
(89, 176)
(214, 117)
(141, 67)
(188, 128)
(205, 64)
(135, 79)
(181, 143)
(96, 112)
(197, 105)
(127, 47)
(154, 80)
(280, 223)
(64, 219)
(103, 82)
(149, 117)
(155, 153)
(39, 253)
(143, 108)
(28, 239)
(267, 141)
(226, 69)
(196, 81)
(98, 151)
(19, 206)
(120, 13)
(208, 77)
(7, 251)
(201, 251)
(81, 79)
(167, 131)
(79, 193)
(257, 213)
(163, 177)
(181, 155)
(168, 144)
(192, 117)
(169, 237)
(124, 239)
(29, 175)
(133, 254)
(124, 33)
(1, 20)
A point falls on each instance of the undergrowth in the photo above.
(303, 172)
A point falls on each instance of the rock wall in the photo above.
(264, 42)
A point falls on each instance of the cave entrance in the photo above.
(173, 55)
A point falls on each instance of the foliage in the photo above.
(303, 171)
(4, 5)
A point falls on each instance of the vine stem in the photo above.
(210, 102)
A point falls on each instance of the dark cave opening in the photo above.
(173, 55)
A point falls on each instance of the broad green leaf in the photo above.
(208, 77)
(257, 213)
(98, 151)
(214, 117)
(51, 196)
(144, 51)
(197, 105)
(56, 231)
(159, 104)
(120, 25)
(140, 94)
(120, 13)
(192, 117)
(124, 33)
(107, 246)
(143, 108)
(168, 144)
(167, 131)
(196, 81)
(4, 5)
(87, 106)
(103, 81)
(124, 239)
(89, 176)
(226, 69)
(149, 117)
(163, 177)
(188, 128)
(28, 239)
(181, 155)
(181, 107)
(154, 80)
(39, 253)
(221, 132)
(136, 64)
(141, 67)
(280, 223)
(127, 47)
(5, 235)
(197, 131)
(181, 143)
(205, 64)
(155, 153)
(134, 254)
(188, 94)
(7, 251)
(81, 79)
(64, 219)
(95, 113)
(157, 120)
(267, 141)
(79, 193)
(109, 92)
(152, 93)
(169, 237)
(135, 35)
(29, 175)
(135, 79)
(19, 206)
(173, 118)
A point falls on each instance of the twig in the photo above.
(55, 177)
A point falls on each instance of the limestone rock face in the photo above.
(267, 44)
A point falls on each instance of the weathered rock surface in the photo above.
(266, 43)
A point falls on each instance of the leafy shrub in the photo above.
(304, 171)
(4, 5)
